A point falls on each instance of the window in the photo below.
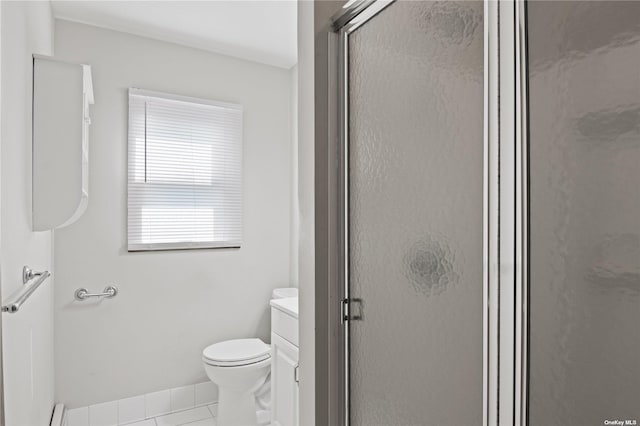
(185, 172)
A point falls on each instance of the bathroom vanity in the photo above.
(284, 362)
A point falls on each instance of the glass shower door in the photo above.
(415, 215)
(584, 104)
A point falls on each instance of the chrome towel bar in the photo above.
(27, 275)
(83, 293)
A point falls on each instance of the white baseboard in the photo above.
(137, 408)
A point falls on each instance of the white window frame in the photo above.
(132, 183)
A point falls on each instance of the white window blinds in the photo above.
(185, 172)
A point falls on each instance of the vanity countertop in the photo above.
(288, 305)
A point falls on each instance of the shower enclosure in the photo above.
(483, 205)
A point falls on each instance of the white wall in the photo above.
(27, 28)
(306, 251)
(171, 304)
(295, 200)
(312, 16)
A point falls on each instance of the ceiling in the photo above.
(263, 31)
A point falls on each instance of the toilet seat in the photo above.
(236, 352)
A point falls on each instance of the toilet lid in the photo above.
(236, 352)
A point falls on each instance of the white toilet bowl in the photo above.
(239, 367)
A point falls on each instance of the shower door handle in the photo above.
(351, 310)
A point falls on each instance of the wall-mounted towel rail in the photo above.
(27, 274)
(82, 293)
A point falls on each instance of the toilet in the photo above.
(239, 367)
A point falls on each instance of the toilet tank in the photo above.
(281, 293)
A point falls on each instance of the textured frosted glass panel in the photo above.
(585, 212)
(416, 168)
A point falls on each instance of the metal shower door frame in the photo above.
(505, 205)
(2, 409)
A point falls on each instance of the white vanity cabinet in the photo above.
(284, 362)
(62, 93)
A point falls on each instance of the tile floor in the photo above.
(200, 416)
